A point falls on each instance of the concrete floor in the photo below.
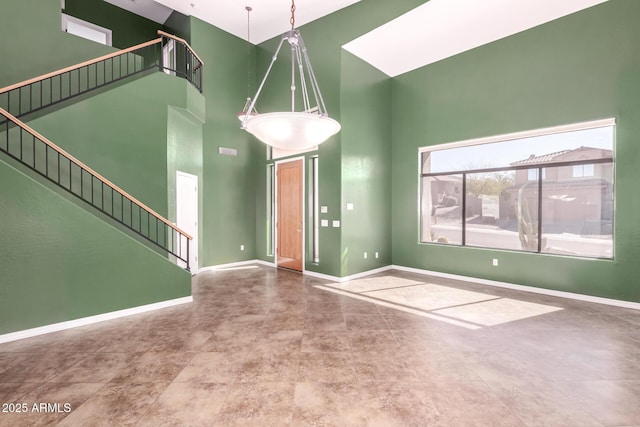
(266, 347)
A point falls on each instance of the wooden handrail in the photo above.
(171, 36)
(80, 65)
(91, 171)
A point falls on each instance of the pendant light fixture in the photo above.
(292, 130)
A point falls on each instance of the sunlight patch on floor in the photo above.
(472, 310)
(427, 296)
(399, 307)
(376, 283)
(497, 311)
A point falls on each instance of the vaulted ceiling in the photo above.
(429, 33)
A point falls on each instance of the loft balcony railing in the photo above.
(167, 53)
(42, 156)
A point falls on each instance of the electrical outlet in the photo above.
(242, 247)
(365, 255)
(376, 254)
(495, 262)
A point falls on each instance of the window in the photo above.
(271, 209)
(580, 171)
(86, 30)
(558, 200)
(315, 210)
(533, 174)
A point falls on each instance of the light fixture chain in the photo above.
(249, 9)
(293, 14)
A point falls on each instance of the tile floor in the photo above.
(266, 347)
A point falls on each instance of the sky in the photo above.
(501, 154)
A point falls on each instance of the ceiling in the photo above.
(450, 27)
(446, 27)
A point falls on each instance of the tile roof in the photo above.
(545, 158)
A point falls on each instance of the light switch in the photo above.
(324, 223)
(324, 209)
(349, 206)
(336, 223)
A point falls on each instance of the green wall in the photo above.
(126, 142)
(34, 44)
(579, 68)
(184, 154)
(179, 25)
(342, 156)
(127, 29)
(228, 181)
(59, 262)
(582, 67)
(366, 166)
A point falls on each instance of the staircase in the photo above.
(20, 142)
(167, 53)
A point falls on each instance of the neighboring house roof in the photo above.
(545, 158)
(557, 156)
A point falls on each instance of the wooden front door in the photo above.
(290, 181)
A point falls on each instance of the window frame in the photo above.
(540, 172)
(66, 19)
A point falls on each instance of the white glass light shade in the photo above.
(291, 130)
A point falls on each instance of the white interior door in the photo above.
(187, 213)
(169, 57)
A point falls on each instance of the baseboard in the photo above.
(306, 272)
(523, 288)
(28, 333)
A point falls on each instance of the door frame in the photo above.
(194, 260)
(304, 208)
(169, 57)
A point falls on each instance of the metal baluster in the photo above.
(187, 259)
(20, 144)
(164, 231)
(34, 151)
(7, 133)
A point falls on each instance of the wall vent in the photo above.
(224, 151)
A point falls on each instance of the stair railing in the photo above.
(180, 59)
(42, 156)
(167, 53)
